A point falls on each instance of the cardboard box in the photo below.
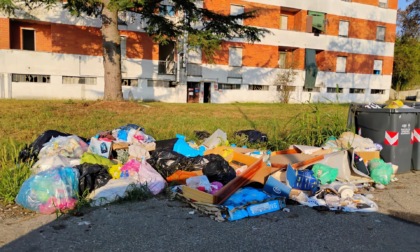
(294, 157)
(254, 164)
(368, 155)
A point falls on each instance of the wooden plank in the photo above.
(237, 182)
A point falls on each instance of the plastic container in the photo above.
(416, 138)
(392, 128)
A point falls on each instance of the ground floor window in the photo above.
(357, 91)
(79, 80)
(377, 91)
(130, 82)
(258, 87)
(229, 86)
(161, 83)
(314, 89)
(334, 90)
(31, 78)
(286, 88)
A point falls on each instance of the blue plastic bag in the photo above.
(185, 149)
(50, 191)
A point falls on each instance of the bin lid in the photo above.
(388, 110)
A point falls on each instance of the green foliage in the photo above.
(12, 172)
(135, 193)
(285, 124)
(314, 126)
(406, 63)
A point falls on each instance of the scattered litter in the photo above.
(223, 181)
(87, 223)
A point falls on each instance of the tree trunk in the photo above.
(111, 43)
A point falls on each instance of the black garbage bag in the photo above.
(92, 176)
(165, 145)
(168, 162)
(218, 169)
(253, 136)
(32, 151)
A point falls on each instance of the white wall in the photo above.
(59, 65)
(338, 7)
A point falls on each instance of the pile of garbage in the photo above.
(225, 181)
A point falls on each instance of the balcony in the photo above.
(166, 67)
(194, 69)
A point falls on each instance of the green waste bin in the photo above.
(392, 128)
(415, 156)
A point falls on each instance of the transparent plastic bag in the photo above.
(50, 191)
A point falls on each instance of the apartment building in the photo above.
(337, 50)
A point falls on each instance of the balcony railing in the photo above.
(194, 69)
(166, 67)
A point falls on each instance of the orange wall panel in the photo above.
(141, 46)
(260, 56)
(4, 33)
(76, 40)
(360, 28)
(42, 35)
(356, 63)
(267, 16)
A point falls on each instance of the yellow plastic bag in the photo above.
(395, 104)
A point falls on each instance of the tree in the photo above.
(407, 48)
(409, 20)
(284, 80)
(205, 28)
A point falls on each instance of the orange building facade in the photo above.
(337, 50)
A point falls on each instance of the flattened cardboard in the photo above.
(368, 155)
(254, 164)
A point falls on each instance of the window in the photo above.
(377, 91)
(283, 22)
(334, 90)
(356, 91)
(229, 86)
(383, 3)
(235, 56)
(258, 87)
(341, 64)
(380, 33)
(167, 8)
(377, 66)
(237, 10)
(30, 78)
(286, 88)
(123, 47)
(315, 22)
(79, 80)
(343, 29)
(130, 82)
(28, 39)
(282, 60)
(314, 89)
(160, 83)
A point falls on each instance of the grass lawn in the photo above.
(22, 121)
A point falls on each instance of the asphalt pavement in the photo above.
(160, 224)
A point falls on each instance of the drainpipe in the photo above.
(178, 64)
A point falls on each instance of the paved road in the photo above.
(162, 225)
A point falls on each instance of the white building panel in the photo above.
(338, 7)
(328, 43)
